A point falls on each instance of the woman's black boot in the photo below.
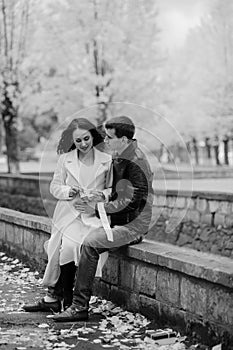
(67, 277)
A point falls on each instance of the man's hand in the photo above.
(96, 196)
(87, 208)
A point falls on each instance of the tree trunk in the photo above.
(9, 115)
(1, 136)
(195, 149)
(226, 149)
(216, 150)
(208, 148)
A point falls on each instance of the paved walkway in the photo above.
(108, 327)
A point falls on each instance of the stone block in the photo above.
(127, 273)
(230, 245)
(219, 219)
(133, 302)
(145, 280)
(224, 207)
(229, 221)
(160, 201)
(171, 201)
(206, 219)
(119, 295)
(176, 317)
(205, 234)
(231, 207)
(190, 203)
(214, 249)
(127, 299)
(193, 297)
(101, 288)
(110, 270)
(172, 237)
(201, 205)
(194, 216)
(10, 233)
(39, 240)
(214, 206)
(2, 231)
(184, 239)
(149, 307)
(168, 287)
(180, 202)
(166, 212)
(28, 240)
(220, 306)
(18, 233)
(189, 229)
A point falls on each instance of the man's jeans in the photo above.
(94, 244)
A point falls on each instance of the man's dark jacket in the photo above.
(132, 194)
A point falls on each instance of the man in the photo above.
(129, 207)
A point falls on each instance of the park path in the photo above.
(108, 327)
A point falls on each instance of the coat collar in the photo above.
(129, 152)
(73, 164)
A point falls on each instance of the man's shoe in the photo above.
(72, 314)
(42, 305)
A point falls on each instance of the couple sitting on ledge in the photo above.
(104, 202)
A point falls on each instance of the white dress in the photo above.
(70, 227)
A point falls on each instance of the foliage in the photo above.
(86, 53)
(198, 79)
(13, 27)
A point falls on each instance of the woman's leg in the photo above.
(67, 280)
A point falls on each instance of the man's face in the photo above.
(112, 141)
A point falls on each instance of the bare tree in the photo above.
(110, 59)
(13, 29)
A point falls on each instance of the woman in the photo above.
(82, 174)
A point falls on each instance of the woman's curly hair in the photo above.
(66, 143)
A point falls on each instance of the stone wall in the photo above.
(25, 192)
(199, 220)
(178, 287)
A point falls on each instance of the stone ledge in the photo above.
(168, 282)
(26, 177)
(210, 267)
(209, 195)
(40, 223)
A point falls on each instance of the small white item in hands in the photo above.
(97, 196)
(85, 195)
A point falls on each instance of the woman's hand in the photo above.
(73, 192)
(84, 207)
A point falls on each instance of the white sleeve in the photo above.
(58, 187)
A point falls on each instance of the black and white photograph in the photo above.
(116, 174)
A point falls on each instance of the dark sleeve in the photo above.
(131, 192)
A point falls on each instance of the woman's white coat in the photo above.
(65, 177)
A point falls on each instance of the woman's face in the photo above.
(83, 140)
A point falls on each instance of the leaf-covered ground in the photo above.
(109, 326)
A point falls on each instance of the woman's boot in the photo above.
(67, 277)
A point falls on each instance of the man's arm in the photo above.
(131, 192)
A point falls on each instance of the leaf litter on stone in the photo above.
(119, 327)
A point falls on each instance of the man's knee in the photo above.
(93, 238)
